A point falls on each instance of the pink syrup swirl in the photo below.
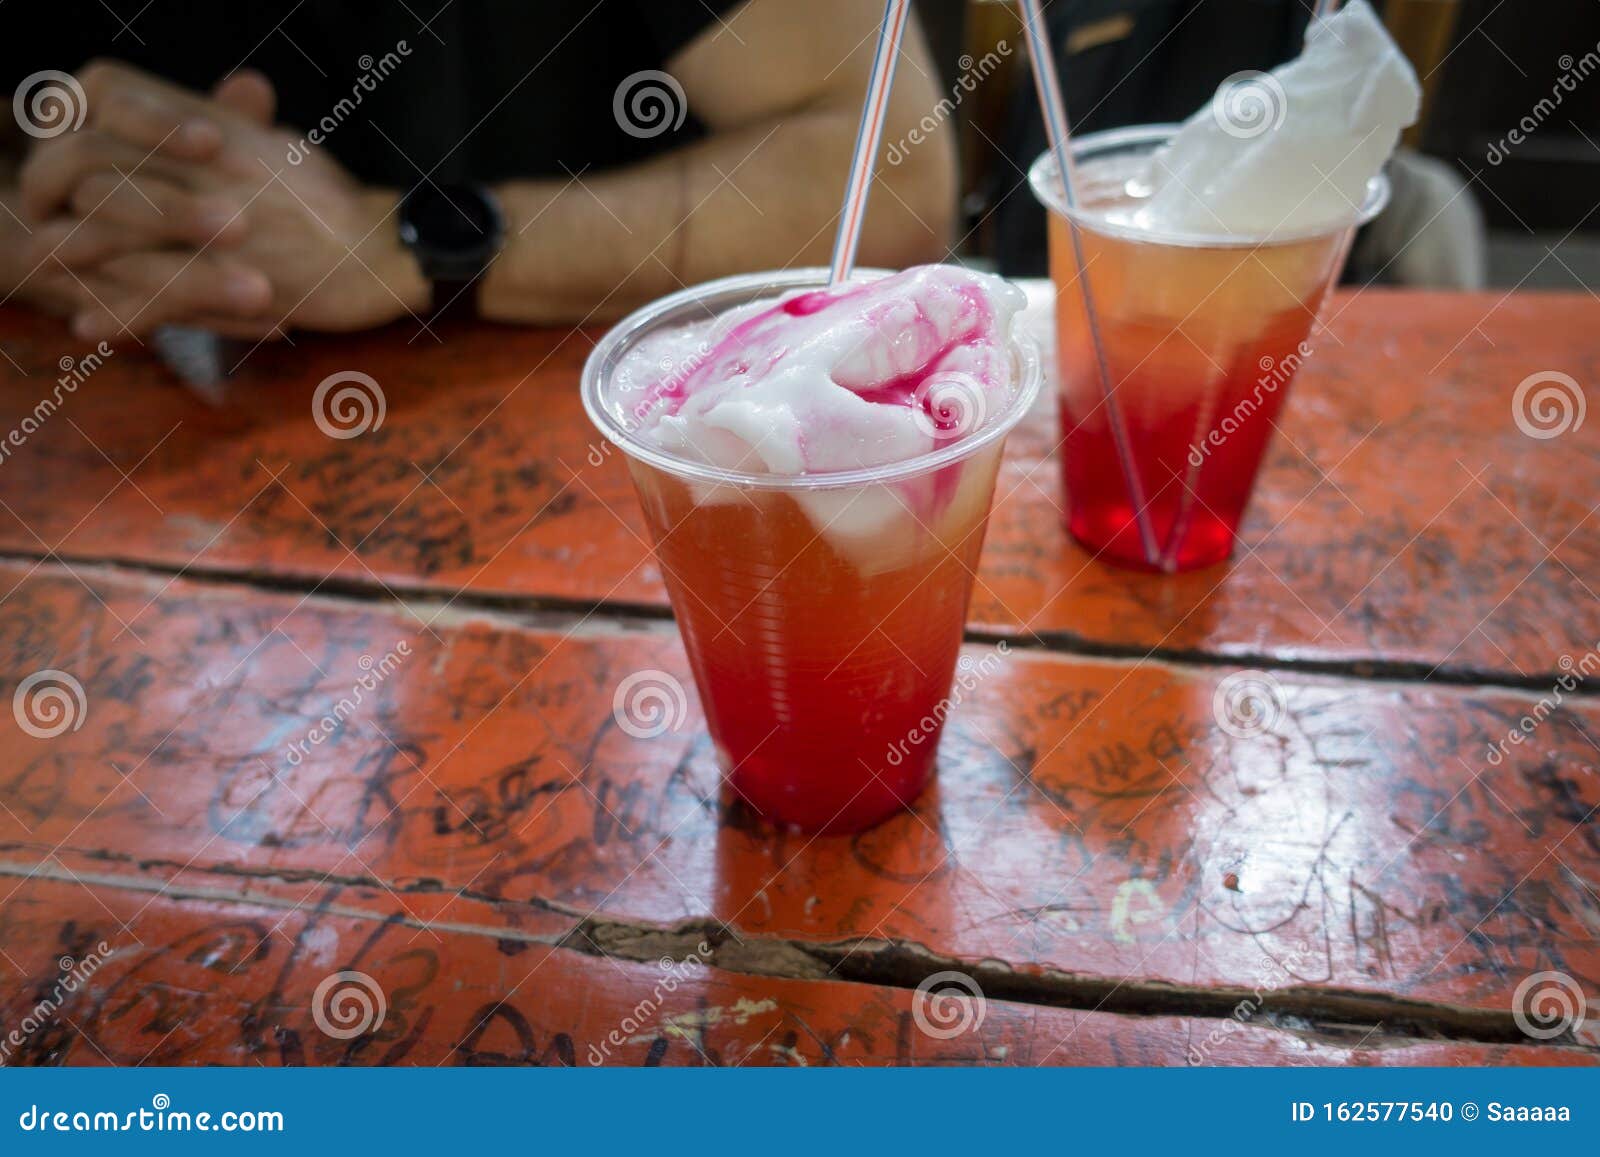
(758, 345)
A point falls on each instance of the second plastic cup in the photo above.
(1202, 335)
(822, 613)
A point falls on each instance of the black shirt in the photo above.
(480, 90)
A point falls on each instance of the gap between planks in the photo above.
(590, 618)
(1341, 1017)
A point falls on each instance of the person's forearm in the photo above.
(761, 197)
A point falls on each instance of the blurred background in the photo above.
(1527, 215)
(1496, 186)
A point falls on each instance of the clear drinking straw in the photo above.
(867, 138)
(1322, 11)
(1055, 120)
(1180, 525)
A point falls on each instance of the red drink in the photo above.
(822, 613)
(816, 674)
(1201, 336)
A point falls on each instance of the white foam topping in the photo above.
(1292, 149)
(872, 373)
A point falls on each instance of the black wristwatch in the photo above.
(454, 231)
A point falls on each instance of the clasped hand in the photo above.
(169, 207)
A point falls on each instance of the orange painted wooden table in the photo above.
(475, 845)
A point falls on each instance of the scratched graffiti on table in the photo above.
(412, 500)
(1089, 815)
(1399, 485)
(233, 982)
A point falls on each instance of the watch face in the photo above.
(452, 228)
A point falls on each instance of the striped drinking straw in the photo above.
(867, 138)
(1055, 120)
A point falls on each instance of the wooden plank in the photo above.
(98, 975)
(1091, 816)
(1399, 485)
(1402, 517)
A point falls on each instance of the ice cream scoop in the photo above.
(837, 388)
(865, 374)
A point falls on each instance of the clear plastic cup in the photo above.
(1202, 335)
(822, 613)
